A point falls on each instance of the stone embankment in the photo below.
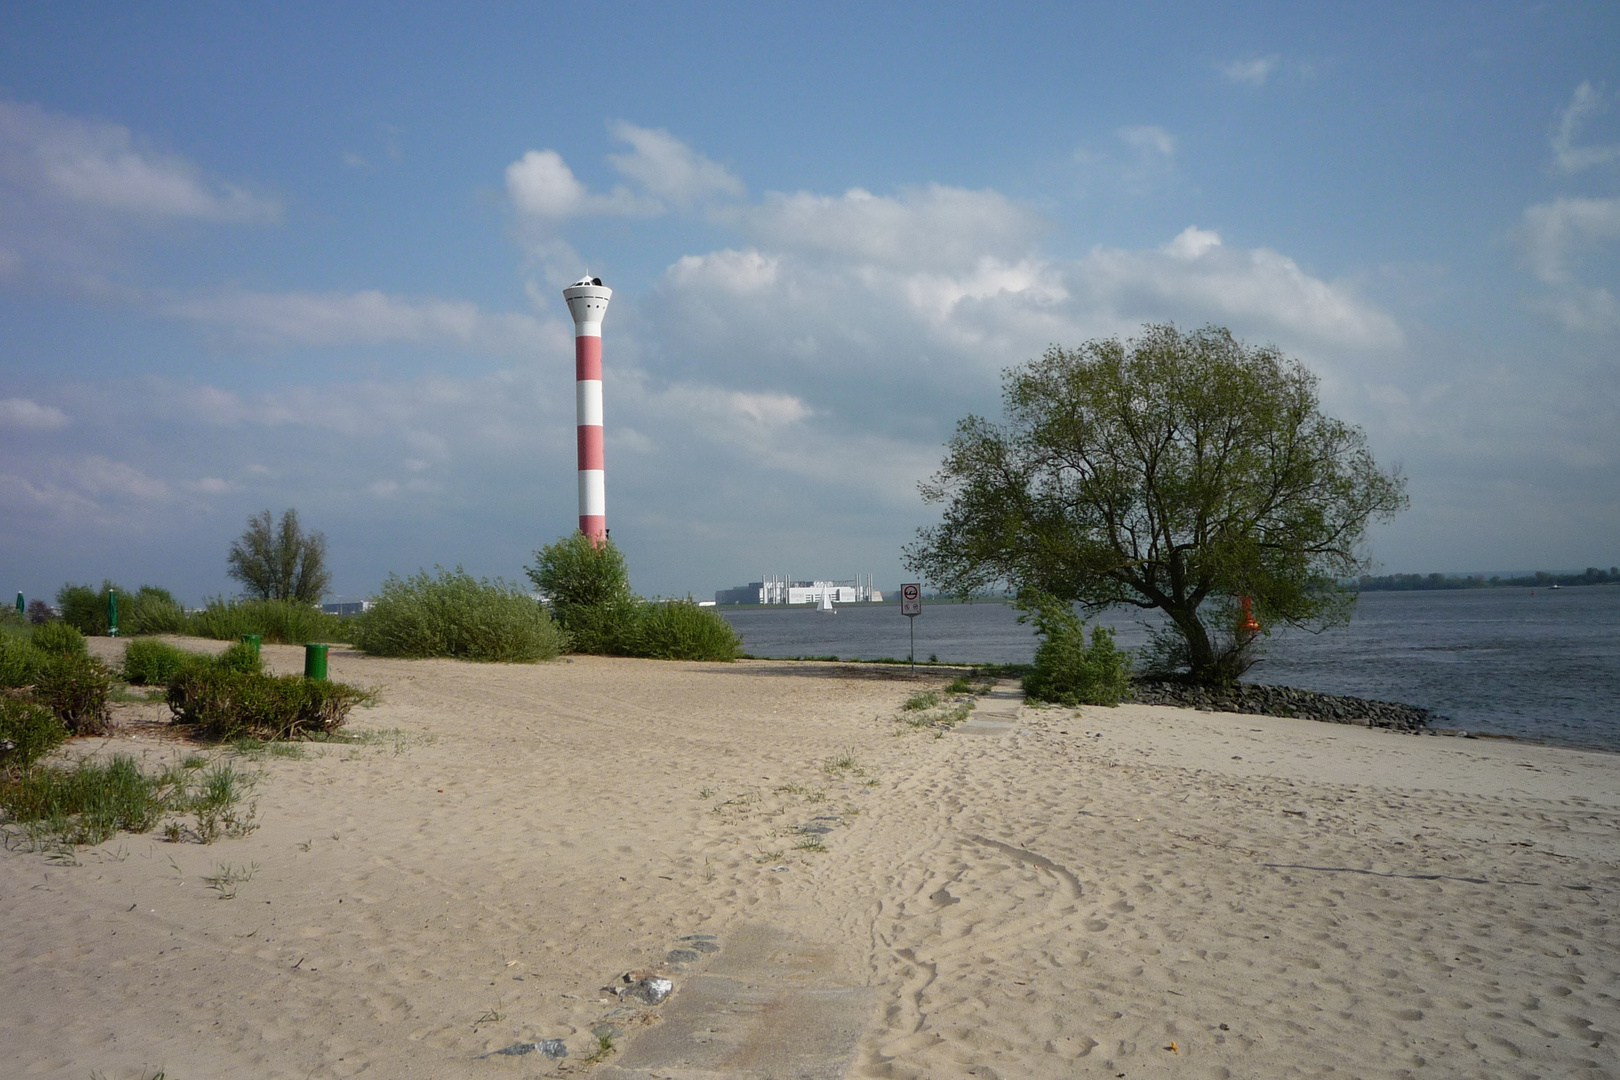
(1283, 701)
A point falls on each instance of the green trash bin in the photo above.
(112, 613)
(315, 661)
(252, 642)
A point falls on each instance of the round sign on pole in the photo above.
(911, 601)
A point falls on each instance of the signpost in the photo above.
(911, 607)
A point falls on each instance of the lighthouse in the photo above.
(587, 302)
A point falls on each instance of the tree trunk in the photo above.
(1204, 666)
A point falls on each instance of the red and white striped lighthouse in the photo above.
(587, 303)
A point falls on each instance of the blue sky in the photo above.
(312, 255)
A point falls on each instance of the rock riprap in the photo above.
(1261, 700)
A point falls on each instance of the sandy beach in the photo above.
(1131, 892)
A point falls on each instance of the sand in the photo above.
(1139, 892)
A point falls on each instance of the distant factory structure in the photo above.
(783, 590)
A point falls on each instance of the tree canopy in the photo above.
(1176, 471)
(280, 561)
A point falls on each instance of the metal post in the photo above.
(22, 608)
(112, 613)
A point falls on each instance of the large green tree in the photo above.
(1177, 471)
(280, 561)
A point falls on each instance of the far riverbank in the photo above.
(1529, 663)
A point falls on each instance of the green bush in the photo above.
(154, 663)
(457, 615)
(286, 622)
(221, 704)
(603, 630)
(1067, 671)
(680, 630)
(147, 610)
(58, 637)
(238, 656)
(83, 608)
(20, 660)
(588, 587)
(75, 687)
(575, 573)
(28, 731)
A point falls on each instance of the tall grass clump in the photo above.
(85, 803)
(57, 638)
(150, 610)
(285, 622)
(588, 588)
(154, 663)
(90, 800)
(456, 615)
(1067, 670)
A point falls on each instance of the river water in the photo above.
(1539, 664)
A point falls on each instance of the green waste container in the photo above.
(112, 613)
(315, 661)
(252, 641)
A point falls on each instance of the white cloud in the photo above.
(1584, 104)
(1143, 163)
(732, 271)
(1553, 236)
(1033, 280)
(369, 317)
(1553, 232)
(669, 169)
(1196, 277)
(541, 184)
(1250, 72)
(1593, 310)
(97, 165)
(26, 415)
(924, 227)
(767, 411)
(1150, 139)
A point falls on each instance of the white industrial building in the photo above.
(773, 589)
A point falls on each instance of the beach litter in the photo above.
(644, 987)
(551, 1048)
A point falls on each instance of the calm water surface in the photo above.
(1540, 664)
